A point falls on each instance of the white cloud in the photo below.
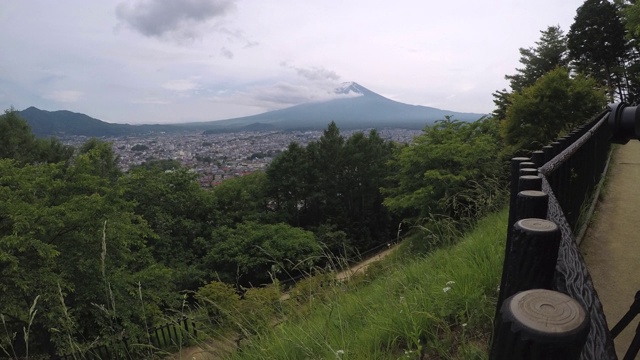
(65, 96)
(181, 85)
(226, 53)
(284, 52)
(314, 73)
(158, 18)
(150, 101)
(281, 95)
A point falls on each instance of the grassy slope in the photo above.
(437, 306)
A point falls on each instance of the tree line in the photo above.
(566, 78)
(89, 253)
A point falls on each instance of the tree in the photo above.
(554, 104)
(18, 142)
(179, 212)
(251, 253)
(99, 159)
(366, 167)
(447, 159)
(242, 199)
(67, 234)
(631, 65)
(597, 44)
(549, 53)
(334, 184)
(325, 176)
(287, 183)
(16, 138)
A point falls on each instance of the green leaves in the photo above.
(555, 103)
(52, 218)
(549, 53)
(252, 253)
(334, 182)
(440, 163)
(596, 43)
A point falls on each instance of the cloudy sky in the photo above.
(169, 61)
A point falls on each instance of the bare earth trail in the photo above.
(218, 349)
(611, 247)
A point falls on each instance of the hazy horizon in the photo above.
(162, 61)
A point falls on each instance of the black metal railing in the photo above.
(547, 307)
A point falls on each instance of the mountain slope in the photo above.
(66, 123)
(353, 107)
(358, 108)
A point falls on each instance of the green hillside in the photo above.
(435, 306)
(66, 123)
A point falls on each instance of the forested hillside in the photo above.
(90, 254)
(98, 252)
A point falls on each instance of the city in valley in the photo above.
(216, 157)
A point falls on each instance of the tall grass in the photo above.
(436, 306)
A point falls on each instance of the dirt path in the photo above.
(218, 349)
(611, 247)
(362, 266)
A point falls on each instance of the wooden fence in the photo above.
(547, 307)
(168, 336)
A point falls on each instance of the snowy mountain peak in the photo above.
(351, 88)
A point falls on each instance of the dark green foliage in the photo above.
(99, 159)
(448, 159)
(242, 199)
(180, 214)
(254, 254)
(18, 143)
(66, 232)
(288, 183)
(65, 123)
(597, 44)
(631, 65)
(334, 182)
(118, 247)
(549, 53)
(555, 103)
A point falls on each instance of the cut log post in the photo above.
(528, 171)
(541, 324)
(531, 204)
(537, 157)
(529, 182)
(533, 255)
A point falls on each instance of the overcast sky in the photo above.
(169, 61)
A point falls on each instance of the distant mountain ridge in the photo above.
(354, 107)
(63, 123)
(363, 108)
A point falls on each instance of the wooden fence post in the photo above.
(548, 153)
(513, 193)
(537, 157)
(532, 204)
(541, 324)
(533, 255)
(529, 182)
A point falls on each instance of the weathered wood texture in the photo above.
(541, 324)
(572, 168)
(573, 279)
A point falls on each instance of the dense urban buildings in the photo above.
(217, 157)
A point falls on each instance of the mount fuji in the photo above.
(352, 106)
